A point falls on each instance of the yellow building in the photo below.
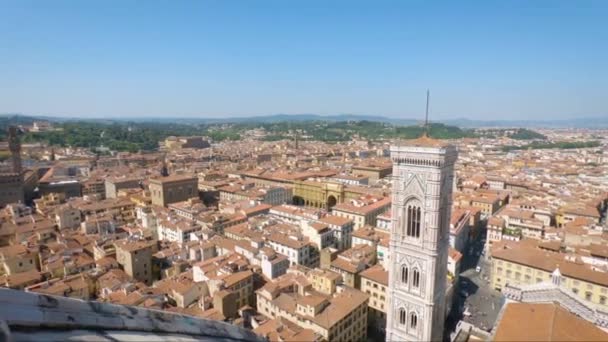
(568, 214)
(17, 259)
(121, 209)
(49, 201)
(324, 281)
(374, 282)
(318, 194)
(488, 204)
(326, 194)
(341, 317)
(524, 263)
(363, 211)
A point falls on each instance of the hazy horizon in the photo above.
(227, 117)
(520, 60)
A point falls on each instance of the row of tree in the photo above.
(564, 145)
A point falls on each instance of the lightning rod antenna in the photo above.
(426, 118)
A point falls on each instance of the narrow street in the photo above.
(475, 301)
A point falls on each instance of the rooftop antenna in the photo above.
(426, 118)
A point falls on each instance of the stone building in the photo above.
(135, 257)
(11, 183)
(172, 189)
(423, 171)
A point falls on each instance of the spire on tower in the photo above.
(426, 118)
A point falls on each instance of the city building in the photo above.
(114, 184)
(341, 317)
(17, 259)
(135, 257)
(363, 211)
(459, 229)
(171, 189)
(373, 172)
(11, 183)
(374, 282)
(527, 263)
(186, 142)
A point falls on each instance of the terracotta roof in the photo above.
(376, 273)
(424, 141)
(281, 329)
(544, 322)
(340, 306)
(173, 178)
(455, 254)
(335, 220)
(133, 245)
(19, 279)
(363, 209)
(524, 254)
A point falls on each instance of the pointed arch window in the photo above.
(416, 278)
(404, 274)
(413, 321)
(402, 316)
(413, 219)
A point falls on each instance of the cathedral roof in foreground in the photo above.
(26, 316)
(545, 322)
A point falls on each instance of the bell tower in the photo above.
(14, 146)
(423, 172)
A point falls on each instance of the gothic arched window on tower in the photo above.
(404, 274)
(402, 316)
(416, 278)
(417, 223)
(413, 219)
(413, 320)
(408, 221)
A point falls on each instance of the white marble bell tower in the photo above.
(423, 172)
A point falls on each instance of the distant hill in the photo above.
(284, 117)
(588, 122)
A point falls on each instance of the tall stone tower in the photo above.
(423, 171)
(14, 146)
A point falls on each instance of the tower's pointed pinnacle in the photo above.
(425, 133)
(425, 139)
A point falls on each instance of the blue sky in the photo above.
(481, 59)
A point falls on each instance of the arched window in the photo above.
(409, 220)
(402, 316)
(413, 320)
(416, 278)
(404, 274)
(413, 219)
(417, 223)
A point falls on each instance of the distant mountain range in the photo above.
(589, 122)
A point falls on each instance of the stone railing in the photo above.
(548, 293)
(26, 316)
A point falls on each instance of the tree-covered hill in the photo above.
(135, 136)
